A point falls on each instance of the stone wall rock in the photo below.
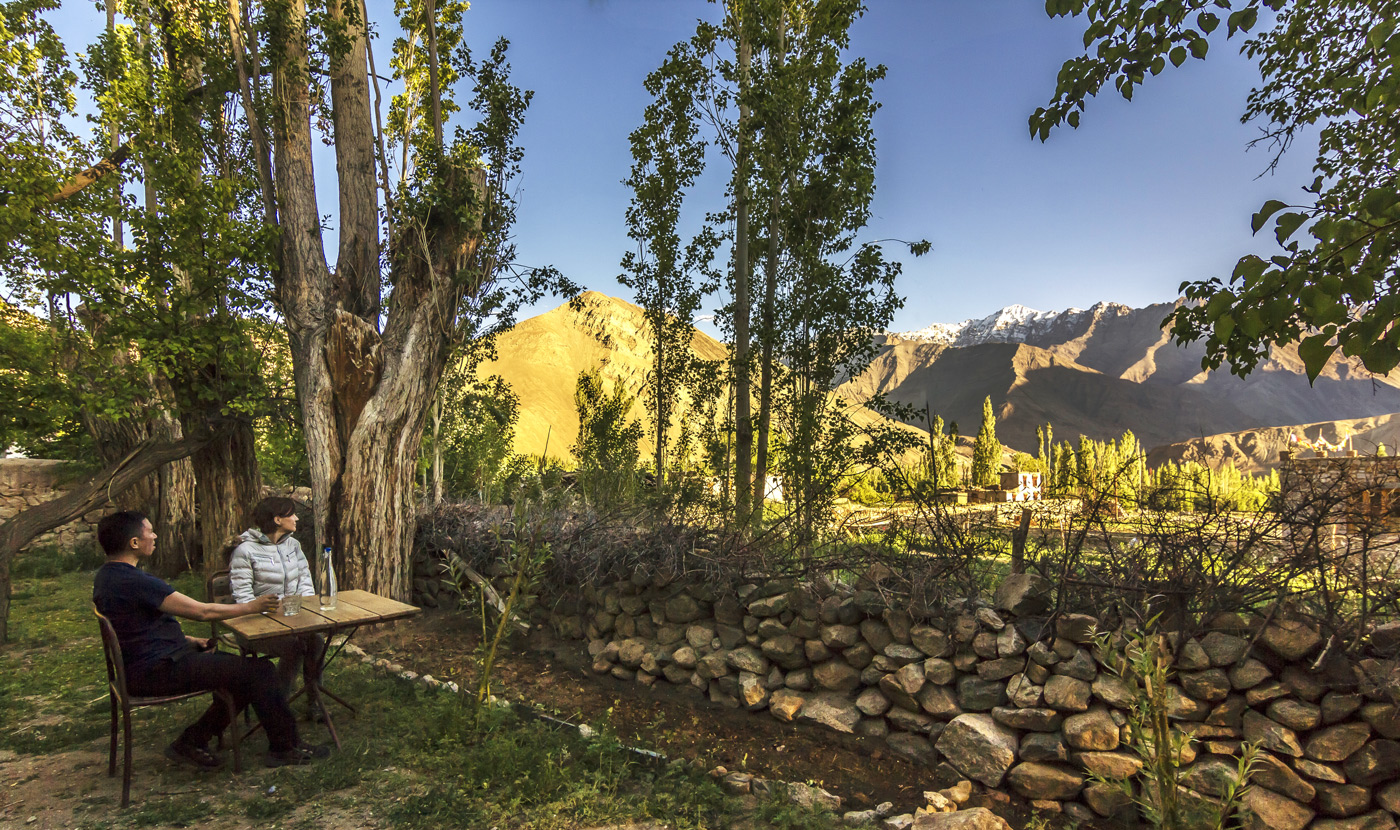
(991, 694)
(29, 482)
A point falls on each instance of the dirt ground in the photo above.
(552, 675)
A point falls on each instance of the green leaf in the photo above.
(1287, 224)
(1269, 209)
(1315, 352)
(1178, 55)
(1207, 22)
(1224, 327)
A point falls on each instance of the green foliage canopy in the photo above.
(1330, 66)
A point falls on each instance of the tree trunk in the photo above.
(115, 481)
(365, 397)
(663, 403)
(743, 423)
(167, 496)
(227, 486)
(767, 324)
(437, 449)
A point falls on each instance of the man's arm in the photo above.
(192, 609)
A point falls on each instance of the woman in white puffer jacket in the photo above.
(269, 560)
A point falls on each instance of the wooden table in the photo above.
(354, 609)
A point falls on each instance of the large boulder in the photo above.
(785, 650)
(1343, 800)
(836, 676)
(979, 747)
(1375, 763)
(1024, 595)
(1273, 773)
(786, 705)
(1043, 746)
(1270, 735)
(930, 640)
(1030, 720)
(1337, 743)
(978, 818)
(1290, 639)
(1068, 694)
(1113, 765)
(1093, 731)
(872, 703)
(1295, 714)
(834, 711)
(1224, 649)
(911, 747)
(978, 695)
(1265, 809)
(1035, 780)
(682, 608)
(747, 659)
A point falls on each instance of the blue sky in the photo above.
(1142, 196)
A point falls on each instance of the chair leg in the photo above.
(112, 750)
(232, 728)
(126, 757)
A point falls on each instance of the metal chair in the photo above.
(124, 702)
(218, 588)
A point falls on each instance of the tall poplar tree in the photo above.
(986, 450)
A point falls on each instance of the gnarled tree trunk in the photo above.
(227, 486)
(167, 495)
(365, 397)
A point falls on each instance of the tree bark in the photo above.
(357, 266)
(136, 466)
(767, 324)
(743, 424)
(227, 486)
(167, 496)
(365, 397)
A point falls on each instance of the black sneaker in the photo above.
(317, 751)
(195, 756)
(297, 756)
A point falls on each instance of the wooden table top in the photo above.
(353, 609)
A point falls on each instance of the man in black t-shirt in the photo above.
(161, 660)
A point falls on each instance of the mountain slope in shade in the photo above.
(541, 359)
(1256, 450)
(1101, 371)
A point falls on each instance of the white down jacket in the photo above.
(259, 567)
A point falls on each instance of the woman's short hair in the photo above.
(114, 531)
(270, 509)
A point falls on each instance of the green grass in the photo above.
(417, 757)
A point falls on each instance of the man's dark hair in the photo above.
(115, 530)
(269, 510)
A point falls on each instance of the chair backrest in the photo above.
(218, 588)
(112, 651)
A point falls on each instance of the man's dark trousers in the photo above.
(251, 680)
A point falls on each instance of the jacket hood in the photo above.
(252, 534)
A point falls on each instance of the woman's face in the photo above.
(287, 524)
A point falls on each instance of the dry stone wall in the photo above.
(29, 482)
(990, 695)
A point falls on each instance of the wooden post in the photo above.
(1018, 542)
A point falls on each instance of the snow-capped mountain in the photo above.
(1015, 324)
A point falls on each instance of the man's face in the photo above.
(144, 543)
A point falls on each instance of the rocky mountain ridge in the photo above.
(1097, 372)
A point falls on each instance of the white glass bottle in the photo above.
(326, 580)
